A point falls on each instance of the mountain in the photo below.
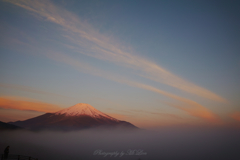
(6, 126)
(79, 116)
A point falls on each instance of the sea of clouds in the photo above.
(173, 143)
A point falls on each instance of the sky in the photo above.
(151, 63)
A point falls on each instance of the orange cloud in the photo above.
(197, 111)
(13, 103)
(86, 40)
(236, 116)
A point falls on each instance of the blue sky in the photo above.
(152, 63)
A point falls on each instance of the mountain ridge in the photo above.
(7, 126)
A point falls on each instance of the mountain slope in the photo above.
(6, 126)
(79, 116)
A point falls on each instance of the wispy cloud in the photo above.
(191, 107)
(235, 116)
(198, 111)
(19, 103)
(86, 40)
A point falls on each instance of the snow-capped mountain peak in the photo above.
(79, 116)
(83, 109)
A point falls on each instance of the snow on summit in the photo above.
(83, 109)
